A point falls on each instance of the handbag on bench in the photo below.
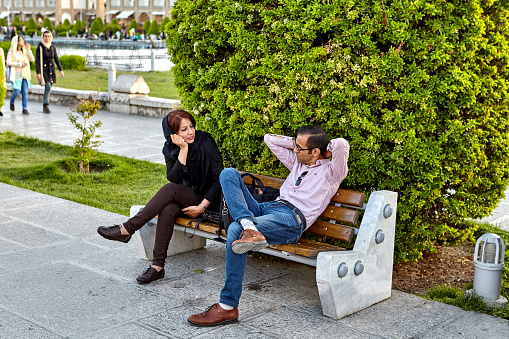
(223, 219)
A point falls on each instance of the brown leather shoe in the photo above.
(113, 233)
(150, 275)
(250, 240)
(215, 315)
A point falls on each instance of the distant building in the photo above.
(87, 10)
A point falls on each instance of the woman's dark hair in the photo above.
(317, 138)
(176, 116)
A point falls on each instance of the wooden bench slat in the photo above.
(204, 226)
(349, 197)
(341, 214)
(307, 248)
(334, 231)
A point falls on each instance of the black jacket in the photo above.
(48, 55)
(203, 165)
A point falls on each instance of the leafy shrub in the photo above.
(31, 26)
(418, 88)
(64, 27)
(164, 23)
(46, 23)
(154, 28)
(113, 27)
(133, 24)
(3, 23)
(17, 22)
(78, 26)
(73, 62)
(97, 26)
(146, 25)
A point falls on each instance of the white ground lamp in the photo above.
(489, 263)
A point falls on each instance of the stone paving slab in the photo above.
(286, 322)
(403, 316)
(29, 235)
(66, 217)
(472, 325)
(128, 330)
(7, 245)
(13, 326)
(72, 300)
(32, 258)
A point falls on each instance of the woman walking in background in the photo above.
(45, 68)
(18, 59)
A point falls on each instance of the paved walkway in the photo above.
(58, 278)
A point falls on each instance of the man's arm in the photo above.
(282, 147)
(339, 149)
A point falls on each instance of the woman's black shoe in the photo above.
(113, 233)
(1, 114)
(12, 107)
(150, 275)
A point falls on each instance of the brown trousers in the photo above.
(168, 203)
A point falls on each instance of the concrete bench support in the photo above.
(372, 255)
(145, 239)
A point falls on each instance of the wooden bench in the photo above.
(348, 280)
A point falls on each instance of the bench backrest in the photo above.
(339, 218)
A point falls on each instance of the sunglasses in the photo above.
(299, 179)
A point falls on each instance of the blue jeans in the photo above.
(47, 89)
(277, 222)
(24, 94)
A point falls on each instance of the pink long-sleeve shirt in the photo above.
(321, 182)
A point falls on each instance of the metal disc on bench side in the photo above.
(342, 270)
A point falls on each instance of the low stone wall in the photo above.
(138, 104)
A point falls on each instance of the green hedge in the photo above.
(73, 62)
(418, 87)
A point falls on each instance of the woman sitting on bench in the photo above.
(193, 165)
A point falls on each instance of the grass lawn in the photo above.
(37, 165)
(160, 83)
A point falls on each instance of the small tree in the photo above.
(113, 27)
(67, 24)
(31, 26)
(163, 24)
(84, 148)
(146, 25)
(154, 28)
(46, 23)
(17, 22)
(97, 26)
(133, 24)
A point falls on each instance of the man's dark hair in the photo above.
(317, 138)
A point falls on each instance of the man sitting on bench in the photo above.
(306, 192)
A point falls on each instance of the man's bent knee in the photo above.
(228, 173)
